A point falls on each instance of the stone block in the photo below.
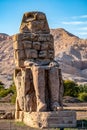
(19, 54)
(44, 46)
(45, 38)
(31, 53)
(42, 54)
(36, 45)
(28, 53)
(22, 36)
(36, 27)
(50, 38)
(50, 45)
(27, 44)
(19, 63)
(51, 54)
(42, 61)
(26, 36)
(35, 37)
(17, 45)
(17, 37)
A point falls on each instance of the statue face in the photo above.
(33, 16)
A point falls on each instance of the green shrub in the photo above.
(82, 88)
(1, 87)
(4, 92)
(70, 88)
(83, 96)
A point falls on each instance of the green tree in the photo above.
(82, 88)
(4, 92)
(70, 88)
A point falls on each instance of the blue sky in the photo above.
(68, 14)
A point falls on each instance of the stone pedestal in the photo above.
(60, 119)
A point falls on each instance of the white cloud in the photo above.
(82, 33)
(77, 17)
(74, 22)
(82, 28)
(83, 16)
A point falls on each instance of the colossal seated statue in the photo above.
(37, 76)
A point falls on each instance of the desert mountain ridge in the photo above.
(70, 52)
(4, 36)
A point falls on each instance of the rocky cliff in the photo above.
(6, 59)
(70, 52)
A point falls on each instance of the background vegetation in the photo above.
(11, 90)
(70, 89)
(73, 89)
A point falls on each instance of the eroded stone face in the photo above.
(34, 22)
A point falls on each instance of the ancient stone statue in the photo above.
(37, 76)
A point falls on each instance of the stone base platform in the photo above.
(60, 119)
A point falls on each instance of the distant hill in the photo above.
(4, 36)
(70, 52)
(6, 59)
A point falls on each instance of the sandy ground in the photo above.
(11, 107)
(12, 125)
(7, 107)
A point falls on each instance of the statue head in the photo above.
(34, 22)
